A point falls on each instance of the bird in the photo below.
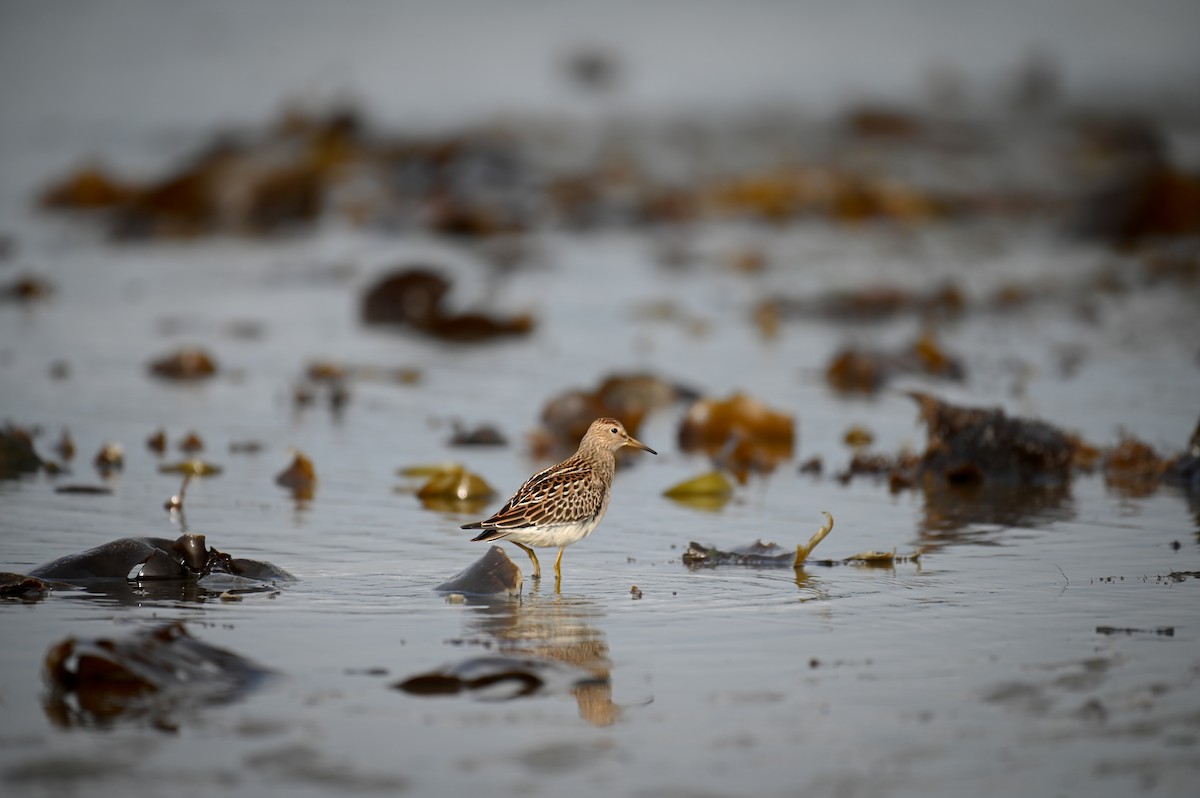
(562, 504)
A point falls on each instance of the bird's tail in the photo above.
(489, 534)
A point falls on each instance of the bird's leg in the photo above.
(537, 569)
(558, 565)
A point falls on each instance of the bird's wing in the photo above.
(547, 497)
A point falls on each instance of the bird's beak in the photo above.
(635, 443)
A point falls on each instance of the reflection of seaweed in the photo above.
(156, 676)
(950, 509)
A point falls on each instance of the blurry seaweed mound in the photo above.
(155, 676)
(414, 297)
(740, 434)
(967, 445)
(629, 397)
(475, 183)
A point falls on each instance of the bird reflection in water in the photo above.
(555, 628)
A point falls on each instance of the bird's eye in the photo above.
(613, 430)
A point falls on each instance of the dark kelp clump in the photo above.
(158, 676)
(414, 297)
(966, 445)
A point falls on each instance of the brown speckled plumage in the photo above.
(562, 504)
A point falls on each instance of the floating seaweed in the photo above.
(711, 490)
(159, 676)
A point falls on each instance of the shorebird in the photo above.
(562, 504)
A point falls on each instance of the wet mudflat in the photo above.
(764, 320)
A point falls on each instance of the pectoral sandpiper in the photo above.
(562, 504)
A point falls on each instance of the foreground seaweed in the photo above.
(160, 676)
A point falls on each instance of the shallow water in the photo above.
(981, 668)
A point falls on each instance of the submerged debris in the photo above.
(188, 557)
(492, 574)
(164, 674)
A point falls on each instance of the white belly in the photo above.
(555, 536)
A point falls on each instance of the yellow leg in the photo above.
(537, 568)
(558, 566)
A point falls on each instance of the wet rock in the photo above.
(492, 574)
(17, 455)
(414, 297)
(501, 678)
(186, 364)
(160, 675)
(188, 557)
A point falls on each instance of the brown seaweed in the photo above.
(160, 676)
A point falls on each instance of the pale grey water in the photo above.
(978, 671)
